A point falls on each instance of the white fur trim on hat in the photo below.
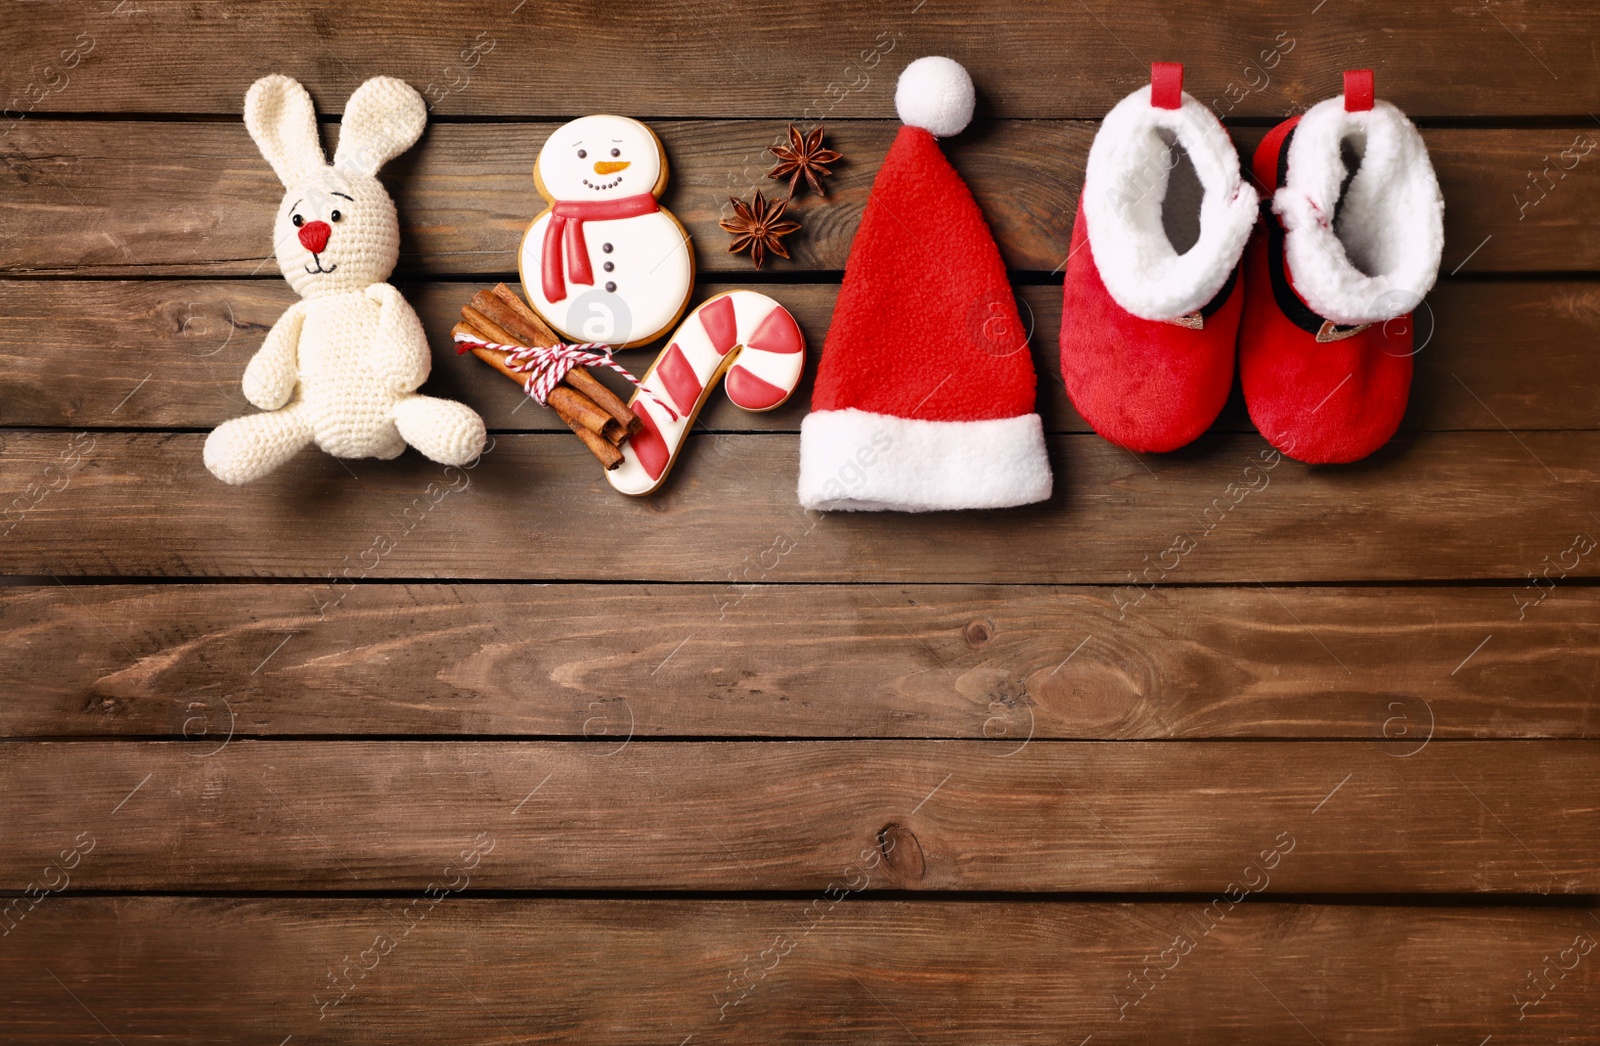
(1123, 191)
(861, 461)
(1381, 255)
(935, 94)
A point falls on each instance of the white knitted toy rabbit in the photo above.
(341, 366)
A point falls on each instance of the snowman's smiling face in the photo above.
(600, 158)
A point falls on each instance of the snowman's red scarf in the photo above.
(574, 213)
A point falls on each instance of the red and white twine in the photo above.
(546, 365)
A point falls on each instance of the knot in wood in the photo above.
(901, 852)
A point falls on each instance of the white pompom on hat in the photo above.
(935, 94)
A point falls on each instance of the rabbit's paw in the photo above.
(269, 381)
(384, 294)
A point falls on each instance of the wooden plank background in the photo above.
(190, 199)
(559, 766)
(823, 969)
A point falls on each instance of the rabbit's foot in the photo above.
(248, 448)
(450, 433)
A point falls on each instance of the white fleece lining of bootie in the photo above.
(1125, 186)
(1381, 255)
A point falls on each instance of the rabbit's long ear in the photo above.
(383, 119)
(280, 118)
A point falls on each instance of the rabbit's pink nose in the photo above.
(314, 236)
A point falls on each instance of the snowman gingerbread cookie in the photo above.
(605, 263)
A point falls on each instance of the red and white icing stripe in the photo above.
(747, 336)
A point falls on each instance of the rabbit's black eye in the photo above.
(335, 216)
(298, 221)
(616, 152)
(583, 154)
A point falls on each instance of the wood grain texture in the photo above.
(72, 353)
(1430, 506)
(711, 697)
(732, 815)
(682, 58)
(1006, 664)
(231, 972)
(113, 198)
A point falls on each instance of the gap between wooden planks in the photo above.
(1458, 817)
(124, 198)
(169, 354)
(1413, 666)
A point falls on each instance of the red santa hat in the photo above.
(925, 392)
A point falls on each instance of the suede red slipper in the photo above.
(1148, 334)
(1347, 254)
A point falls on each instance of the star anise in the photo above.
(803, 156)
(756, 225)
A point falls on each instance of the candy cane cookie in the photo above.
(745, 336)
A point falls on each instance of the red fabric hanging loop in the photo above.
(1358, 90)
(1166, 85)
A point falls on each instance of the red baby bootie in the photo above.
(1352, 245)
(1148, 334)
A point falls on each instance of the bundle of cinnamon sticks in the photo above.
(599, 417)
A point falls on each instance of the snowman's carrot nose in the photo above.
(611, 166)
